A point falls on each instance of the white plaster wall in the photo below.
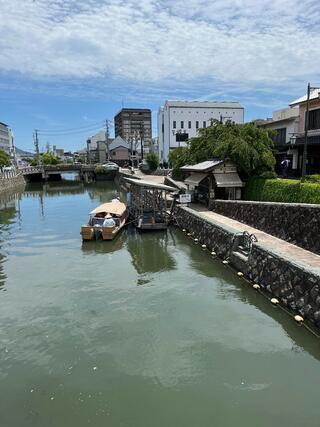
(192, 114)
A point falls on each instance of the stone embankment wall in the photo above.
(10, 180)
(297, 289)
(296, 223)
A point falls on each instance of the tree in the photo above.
(45, 159)
(153, 160)
(4, 159)
(248, 146)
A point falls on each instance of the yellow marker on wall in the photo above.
(298, 318)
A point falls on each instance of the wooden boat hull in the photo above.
(87, 233)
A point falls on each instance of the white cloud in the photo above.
(156, 41)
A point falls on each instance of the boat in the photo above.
(105, 221)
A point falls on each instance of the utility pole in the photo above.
(306, 128)
(107, 139)
(141, 138)
(36, 144)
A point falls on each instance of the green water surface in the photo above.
(147, 330)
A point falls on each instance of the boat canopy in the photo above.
(116, 208)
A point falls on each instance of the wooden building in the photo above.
(213, 179)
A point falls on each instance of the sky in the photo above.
(67, 65)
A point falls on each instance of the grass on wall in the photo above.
(282, 190)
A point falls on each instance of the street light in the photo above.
(306, 128)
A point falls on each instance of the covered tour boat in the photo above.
(105, 221)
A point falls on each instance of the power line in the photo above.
(70, 130)
(83, 131)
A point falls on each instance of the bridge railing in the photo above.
(31, 169)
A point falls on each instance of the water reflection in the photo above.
(9, 207)
(149, 251)
(241, 290)
(102, 247)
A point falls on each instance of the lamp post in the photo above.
(306, 128)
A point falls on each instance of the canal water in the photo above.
(144, 331)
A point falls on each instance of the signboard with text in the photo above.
(185, 198)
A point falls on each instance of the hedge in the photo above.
(282, 190)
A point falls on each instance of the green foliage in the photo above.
(311, 178)
(177, 158)
(282, 190)
(153, 160)
(4, 159)
(268, 175)
(248, 146)
(49, 159)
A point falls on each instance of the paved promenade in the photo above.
(293, 253)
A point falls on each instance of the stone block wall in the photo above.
(297, 289)
(11, 181)
(296, 223)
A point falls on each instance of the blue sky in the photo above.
(69, 64)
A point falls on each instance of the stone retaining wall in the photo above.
(297, 289)
(296, 223)
(8, 183)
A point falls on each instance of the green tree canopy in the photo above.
(4, 159)
(153, 160)
(248, 146)
(46, 159)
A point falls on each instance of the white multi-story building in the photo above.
(178, 121)
(6, 139)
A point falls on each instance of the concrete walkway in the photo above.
(140, 175)
(296, 255)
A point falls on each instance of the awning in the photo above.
(116, 208)
(195, 178)
(230, 179)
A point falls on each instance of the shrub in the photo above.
(268, 175)
(153, 160)
(4, 159)
(311, 178)
(282, 190)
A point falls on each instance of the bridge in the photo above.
(85, 172)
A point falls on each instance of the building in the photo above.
(6, 140)
(134, 126)
(289, 124)
(285, 124)
(97, 149)
(178, 121)
(313, 141)
(119, 151)
(213, 179)
(58, 152)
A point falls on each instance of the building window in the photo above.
(197, 124)
(162, 127)
(182, 124)
(204, 124)
(182, 137)
(314, 119)
(280, 137)
(174, 124)
(189, 124)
